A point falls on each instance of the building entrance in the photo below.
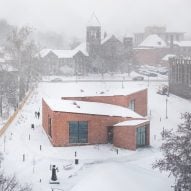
(110, 134)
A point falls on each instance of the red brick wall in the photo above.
(124, 137)
(97, 125)
(151, 56)
(121, 100)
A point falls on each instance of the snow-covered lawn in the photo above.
(99, 168)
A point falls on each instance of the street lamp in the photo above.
(166, 107)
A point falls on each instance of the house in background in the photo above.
(95, 55)
(160, 31)
(151, 51)
(98, 119)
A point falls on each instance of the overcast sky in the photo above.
(116, 16)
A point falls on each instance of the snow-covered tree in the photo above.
(176, 149)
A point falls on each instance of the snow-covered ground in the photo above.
(99, 168)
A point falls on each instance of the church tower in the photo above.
(93, 36)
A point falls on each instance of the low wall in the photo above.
(12, 117)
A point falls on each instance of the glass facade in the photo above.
(141, 136)
(78, 132)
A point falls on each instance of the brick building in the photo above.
(98, 54)
(159, 31)
(151, 51)
(100, 119)
(180, 76)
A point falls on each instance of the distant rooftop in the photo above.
(111, 92)
(185, 43)
(153, 41)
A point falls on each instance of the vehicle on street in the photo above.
(138, 78)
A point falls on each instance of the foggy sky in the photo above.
(120, 17)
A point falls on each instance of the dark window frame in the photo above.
(78, 132)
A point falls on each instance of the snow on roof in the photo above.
(82, 48)
(64, 53)
(93, 21)
(108, 37)
(153, 41)
(184, 43)
(109, 92)
(166, 57)
(132, 122)
(94, 108)
(44, 52)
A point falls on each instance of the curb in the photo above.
(12, 117)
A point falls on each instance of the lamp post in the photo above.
(166, 107)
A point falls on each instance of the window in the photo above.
(49, 126)
(132, 105)
(78, 131)
(141, 136)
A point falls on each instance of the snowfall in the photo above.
(28, 153)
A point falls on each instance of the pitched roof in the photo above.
(44, 52)
(185, 43)
(93, 21)
(93, 108)
(82, 47)
(153, 41)
(64, 53)
(108, 37)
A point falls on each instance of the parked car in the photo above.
(56, 80)
(151, 74)
(138, 78)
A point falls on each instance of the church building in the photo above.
(98, 54)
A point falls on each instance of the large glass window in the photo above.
(141, 136)
(78, 132)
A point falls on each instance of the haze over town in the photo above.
(95, 95)
(69, 17)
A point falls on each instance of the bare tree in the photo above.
(11, 184)
(22, 48)
(176, 149)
